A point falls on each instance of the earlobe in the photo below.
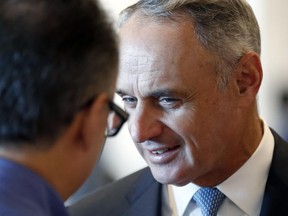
(249, 74)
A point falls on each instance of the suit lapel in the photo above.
(275, 201)
(145, 196)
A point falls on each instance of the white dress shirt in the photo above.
(244, 190)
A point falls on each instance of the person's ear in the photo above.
(249, 75)
(88, 126)
(95, 122)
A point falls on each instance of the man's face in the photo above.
(181, 124)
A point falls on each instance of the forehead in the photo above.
(162, 54)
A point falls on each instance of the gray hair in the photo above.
(228, 28)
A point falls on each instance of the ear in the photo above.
(82, 141)
(88, 126)
(95, 122)
(249, 75)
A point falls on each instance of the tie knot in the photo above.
(209, 200)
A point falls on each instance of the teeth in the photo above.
(160, 151)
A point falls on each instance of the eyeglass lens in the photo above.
(113, 124)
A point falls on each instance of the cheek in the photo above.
(98, 133)
(194, 130)
(182, 123)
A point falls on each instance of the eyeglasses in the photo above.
(116, 118)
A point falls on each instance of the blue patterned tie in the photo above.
(209, 200)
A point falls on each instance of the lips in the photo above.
(161, 151)
(163, 155)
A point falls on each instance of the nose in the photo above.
(144, 124)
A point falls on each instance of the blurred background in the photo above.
(121, 158)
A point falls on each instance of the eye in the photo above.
(169, 102)
(129, 101)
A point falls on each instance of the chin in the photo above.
(165, 177)
(169, 177)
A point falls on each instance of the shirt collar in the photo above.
(252, 176)
(182, 195)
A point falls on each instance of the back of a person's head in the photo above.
(54, 56)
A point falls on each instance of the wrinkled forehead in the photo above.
(144, 40)
(142, 70)
(153, 55)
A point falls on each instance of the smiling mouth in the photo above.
(161, 151)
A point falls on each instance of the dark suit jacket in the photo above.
(140, 195)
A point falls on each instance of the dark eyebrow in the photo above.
(157, 93)
(120, 92)
(162, 92)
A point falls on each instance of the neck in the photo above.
(45, 164)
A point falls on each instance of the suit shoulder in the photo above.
(99, 202)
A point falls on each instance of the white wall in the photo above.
(114, 7)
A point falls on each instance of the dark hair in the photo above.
(228, 28)
(54, 56)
